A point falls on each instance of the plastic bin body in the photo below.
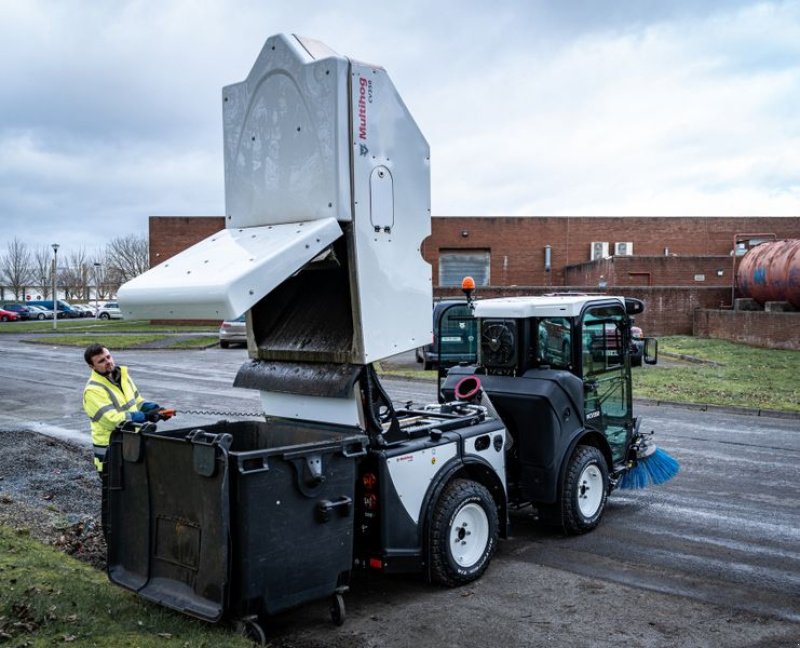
(234, 518)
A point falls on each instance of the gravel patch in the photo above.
(49, 487)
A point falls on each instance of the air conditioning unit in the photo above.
(623, 249)
(599, 250)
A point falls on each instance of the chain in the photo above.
(219, 413)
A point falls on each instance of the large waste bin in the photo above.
(233, 519)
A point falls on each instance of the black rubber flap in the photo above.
(303, 378)
(169, 527)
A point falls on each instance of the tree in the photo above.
(126, 257)
(74, 278)
(99, 278)
(42, 270)
(15, 267)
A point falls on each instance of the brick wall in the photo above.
(517, 243)
(172, 234)
(757, 328)
(653, 271)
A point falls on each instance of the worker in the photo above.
(109, 399)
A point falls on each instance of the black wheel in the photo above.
(585, 490)
(224, 344)
(41, 316)
(5, 318)
(105, 316)
(463, 534)
(338, 611)
(636, 361)
(426, 365)
(251, 629)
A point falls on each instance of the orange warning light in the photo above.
(467, 283)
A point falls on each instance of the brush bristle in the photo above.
(655, 469)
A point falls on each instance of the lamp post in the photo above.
(55, 285)
(96, 288)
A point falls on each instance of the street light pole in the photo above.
(55, 285)
(96, 288)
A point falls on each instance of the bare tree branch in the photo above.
(15, 267)
(42, 270)
(126, 257)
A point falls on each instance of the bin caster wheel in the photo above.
(251, 629)
(338, 612)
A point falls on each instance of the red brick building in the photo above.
(677, 265)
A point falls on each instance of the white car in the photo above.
(109, 310)
(233, 332)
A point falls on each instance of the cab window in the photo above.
(554, 342)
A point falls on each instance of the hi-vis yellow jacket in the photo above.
(107, 406)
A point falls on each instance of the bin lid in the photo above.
(227, 273)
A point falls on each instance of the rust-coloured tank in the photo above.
(771, 272)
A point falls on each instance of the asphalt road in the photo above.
(726, 531)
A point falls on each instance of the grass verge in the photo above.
(49, 599)
(106, 326)
(740, 376)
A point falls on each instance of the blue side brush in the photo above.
(652, 466)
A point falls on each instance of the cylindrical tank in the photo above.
(771, 272)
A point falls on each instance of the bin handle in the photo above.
(343, 504)
(357, 449)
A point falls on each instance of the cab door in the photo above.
(605, 369)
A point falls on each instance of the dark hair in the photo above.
(91, 351)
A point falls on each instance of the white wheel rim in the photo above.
(469, 535)
(590, 490)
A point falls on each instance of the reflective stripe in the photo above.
(128, 404)
(100, 452)
(111, 395)
(99, 413)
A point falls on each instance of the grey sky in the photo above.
(110, 112)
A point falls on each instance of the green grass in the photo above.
(47, 599)
(740, 376)
(93, 325)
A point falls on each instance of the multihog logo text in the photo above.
(364, 97)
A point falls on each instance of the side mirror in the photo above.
(650, 353)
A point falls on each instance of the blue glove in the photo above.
(137, 417)
(147, 406)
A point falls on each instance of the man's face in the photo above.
(103, 363)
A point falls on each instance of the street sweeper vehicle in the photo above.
(327, 195)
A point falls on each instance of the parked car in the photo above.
(233, 332)
(40, 312)
(65, 309)
(8, 316)
(23, 311)
(109, 310)
(86, 311)
(458, 328)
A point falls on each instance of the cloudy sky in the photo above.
(111, 111)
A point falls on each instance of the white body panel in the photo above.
(336, 411)
(544, 306)
(286, 136)
(496, 459)
(225, 274)
(413, 473)
(391, 184)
